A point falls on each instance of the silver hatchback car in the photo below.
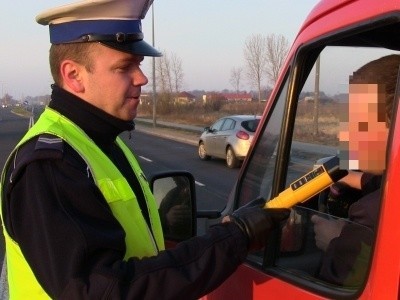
(228, 138)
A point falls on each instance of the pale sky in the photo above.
(207, 35)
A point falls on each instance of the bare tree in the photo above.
(277, 49)
(162, 73)
(177, 72)
(256, 59)
(169, 73)
(236, 77)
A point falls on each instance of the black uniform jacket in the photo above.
(70, 238)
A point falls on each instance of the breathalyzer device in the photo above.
(314, 182)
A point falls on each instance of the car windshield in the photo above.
(251, 125)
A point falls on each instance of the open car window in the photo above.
(330, 237)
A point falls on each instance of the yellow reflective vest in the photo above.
(141, 240)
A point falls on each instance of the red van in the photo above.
(299, 128)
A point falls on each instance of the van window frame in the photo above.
(296, 75)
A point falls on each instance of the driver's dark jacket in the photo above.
(74, 244)
(347, 257)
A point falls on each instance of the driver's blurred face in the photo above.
(365, 134)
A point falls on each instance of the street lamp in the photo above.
(154, 70)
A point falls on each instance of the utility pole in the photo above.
(316, 98)
(4, 99)
(2, 90)
(154, 70)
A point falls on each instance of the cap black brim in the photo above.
(136, 48)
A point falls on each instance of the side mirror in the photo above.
(175, 195)
(207, 129)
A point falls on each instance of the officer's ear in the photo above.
(72, 74)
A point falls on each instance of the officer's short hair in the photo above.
(77, 52)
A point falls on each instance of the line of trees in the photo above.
(264, 57)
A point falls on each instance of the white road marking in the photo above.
(199, 183)
(145, 158)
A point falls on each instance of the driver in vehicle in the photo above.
(347, 242)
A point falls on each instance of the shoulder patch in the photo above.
(49, 142)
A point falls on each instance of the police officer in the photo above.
(78, 216)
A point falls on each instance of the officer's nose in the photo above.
(138, 78)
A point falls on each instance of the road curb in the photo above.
(179, 132)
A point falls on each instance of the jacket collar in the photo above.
(97, 124)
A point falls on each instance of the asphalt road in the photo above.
(12, 128)
(214, 180)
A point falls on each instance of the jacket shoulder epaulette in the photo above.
(49, 142)
(44, 146)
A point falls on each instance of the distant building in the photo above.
(184, 98)
(231, 97)
(238, 96)
(309, 99)
(322, 99)
(213, 96)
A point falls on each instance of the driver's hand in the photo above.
(325, 230)
(341, 196)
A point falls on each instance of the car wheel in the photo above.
(202, 152)
(231, 159)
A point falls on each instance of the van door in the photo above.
(299, 130)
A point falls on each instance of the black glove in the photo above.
(257, 222)
(259, 202)
(341, 196)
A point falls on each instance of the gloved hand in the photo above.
(257, 222)
(341, 196)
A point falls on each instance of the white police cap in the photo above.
(114, 23)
